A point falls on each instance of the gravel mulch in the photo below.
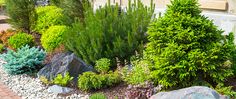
(29, 87)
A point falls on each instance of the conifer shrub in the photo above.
(53, 37)
(186, 47)
(20, 39)
(110, 32)
(91, 81)
(49, 16)
(25, 60)
(22, 14)
(103, 65)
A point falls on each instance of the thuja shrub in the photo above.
(103, 65)
(22, 14)
(91, 81)
(110, 32)
(53, 37)
(25, 60)
(20, 39)
(48, 16)
(185, 46)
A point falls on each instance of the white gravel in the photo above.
(31, 88)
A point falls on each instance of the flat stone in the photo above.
(59, 90)
(195, 92)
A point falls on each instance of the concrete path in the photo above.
(6, 93)
(3, 25)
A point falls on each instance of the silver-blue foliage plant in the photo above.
(25, 60)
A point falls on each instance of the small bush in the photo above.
(139, 73)
(90, 80)
(25, 60)
(53, 37)
(44, 80)
(98, 96)
(48, 16)
(62, 81)
(103, 65)
(21, 39)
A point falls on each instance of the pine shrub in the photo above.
(20, 39)
(110, 32)
(49, 16)
(185, 47)
(25, 60)
(22, 14)
(53, 37)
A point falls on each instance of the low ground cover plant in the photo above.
(63, 80)
(53, 37)
(19, 40)
(98, 96)
(25, 60)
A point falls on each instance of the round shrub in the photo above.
(90, 80)
(186, 47)
(25, 60)
(53, 37)
(20, 39)
(103, 65)
(48, 16)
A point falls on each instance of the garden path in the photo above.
(3, 25)
(6, 93)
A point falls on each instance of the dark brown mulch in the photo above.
(231, 82)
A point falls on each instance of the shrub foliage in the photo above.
(110, 32)
(24, 60)
(62, 81)
(49, 16)
(53, 37)
(22, 14)
(186, 46)
(21, 39)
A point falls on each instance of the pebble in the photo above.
(31, 88)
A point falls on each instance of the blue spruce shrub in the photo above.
(25, 60)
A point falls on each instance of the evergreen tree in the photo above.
(22, 14)
(186, 47)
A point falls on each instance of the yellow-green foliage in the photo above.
(2, 2)
(98, 96)
(53, 37)
(103, 65)
(44, 80)
(138, 74)
(21, 39)
(1, 47)
(48, 16)
(91, 80)
(62, 81)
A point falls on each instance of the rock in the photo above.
(62, 63)
(195, 92)
(59, 90)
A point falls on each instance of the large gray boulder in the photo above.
(195, 92)
(62, 63)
